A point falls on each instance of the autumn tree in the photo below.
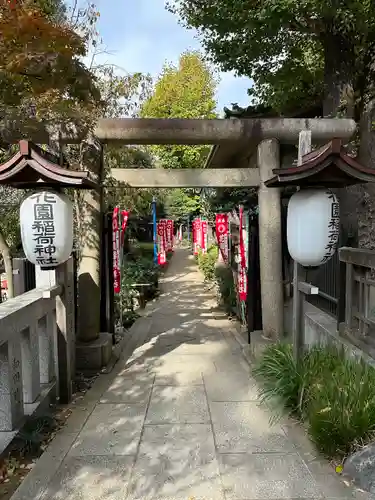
(41, 68)
(41, 76)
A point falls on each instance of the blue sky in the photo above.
(141, 35)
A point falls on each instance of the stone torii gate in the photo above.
(259, 138)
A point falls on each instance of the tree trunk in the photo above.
(8, 264)
(366, 192)
(339, 61)
(339, 101)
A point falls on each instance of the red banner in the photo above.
(222, 233)
(204, 231)
(124, 217)
(161, 234)
(195, 227)
(242, 277)
(116, 251)
(169, 230)
(199, 234)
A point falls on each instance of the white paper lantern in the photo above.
(313, 226)
(46, 220)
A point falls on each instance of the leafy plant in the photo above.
(280, 378)
(207, 262)
(333, 393)
(226, 288)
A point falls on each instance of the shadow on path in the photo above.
(180, 418)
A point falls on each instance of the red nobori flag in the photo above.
(242, 276)
(161, 235)
(195, 227)
(169, 229)
(204, 231)
(222, 233)
(116, 251)
(124, 223)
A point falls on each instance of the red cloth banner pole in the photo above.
(116, 251)
(242, 278)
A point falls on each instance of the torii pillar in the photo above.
(94, 348)
(270, 248)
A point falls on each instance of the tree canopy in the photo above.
(41, 68)
(295, 51)
(183, 91)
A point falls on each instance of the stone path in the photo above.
(179, 419)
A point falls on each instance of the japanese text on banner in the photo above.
(242, 276)
(222, 232)
(161, 242)
(116, 251)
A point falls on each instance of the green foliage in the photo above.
(333, 393)
(287, 47)
(183, 91)
(142, 270)
(137, 268)
(207, 262)
(226, 199)
(180, 203)
(226, 289)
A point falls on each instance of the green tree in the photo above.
(183, 91)
(291, 49)
(181, 203)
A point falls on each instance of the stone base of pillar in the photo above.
(94, 355)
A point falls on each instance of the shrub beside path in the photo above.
(179, 418)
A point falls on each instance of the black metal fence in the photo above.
(326, 278)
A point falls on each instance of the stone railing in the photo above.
(36, 351)
(358, 295)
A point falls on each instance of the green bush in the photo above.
(333, 393)
(141, 270)
(207, 262)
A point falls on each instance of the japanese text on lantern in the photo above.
(43, 227)
(333, 227)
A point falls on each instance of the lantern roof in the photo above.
(328, 166)
(32, 167)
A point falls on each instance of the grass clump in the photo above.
(333, 393)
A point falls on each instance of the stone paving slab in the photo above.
(266, 476)
(91, 478)
(111, 429)
(179, 419)
(178, 405)
(244, 427)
